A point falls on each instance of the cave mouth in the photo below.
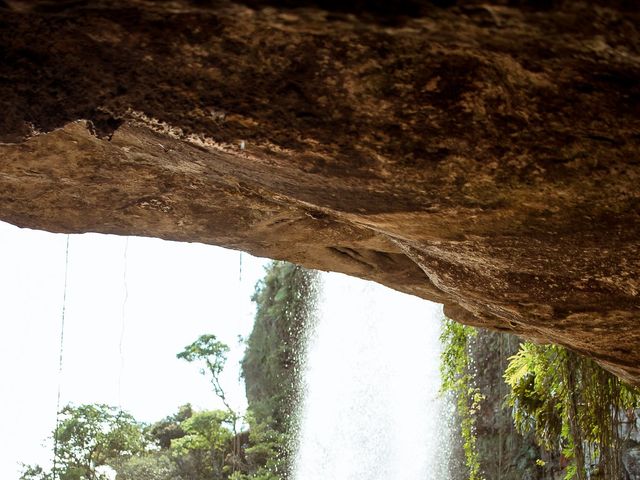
(343, 377)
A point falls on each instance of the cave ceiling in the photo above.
(484, 155)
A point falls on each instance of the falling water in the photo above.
(371, 409)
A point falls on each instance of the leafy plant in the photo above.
(270, 365)
(151, 466)
(88, 437)
(208, 350)
(572, 405)
(266, 453)
(457, 377)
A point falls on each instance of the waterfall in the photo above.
(371, 409)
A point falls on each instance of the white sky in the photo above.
(176, 292)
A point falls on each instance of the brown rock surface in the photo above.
(483, 155)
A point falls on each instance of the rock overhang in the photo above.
(481, 156)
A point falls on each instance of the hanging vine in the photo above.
(457, 375)
(572, 405)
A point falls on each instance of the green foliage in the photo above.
(209, 350)
(204, 431)
(571, 404)
(170, 428)
(205, 448)
(200, 438)
(457, 378)
(265, 454)
(151, 466)
(284, 299)
(34, 472)
(212, 354)
(193, 445)
(537, 392)
(87, 437)
(270, 364)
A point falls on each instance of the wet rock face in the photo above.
(482, 155)
(631, 462)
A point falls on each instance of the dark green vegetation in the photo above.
(284, 299)
(457, 378)
(87, 437)
(572, 405)
(554, 414)
(184, 446)
(212, 444)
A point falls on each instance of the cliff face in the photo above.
(271, 364)
(480, 155)
(504, 452)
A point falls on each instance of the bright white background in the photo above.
(174, 293)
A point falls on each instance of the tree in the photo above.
(212, 353)
(35, 472)
(170, 428)
(266, 452)
(88, 437)
(152, 466)
(193, 446)
(204, 449)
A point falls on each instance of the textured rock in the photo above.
(629, 426)
(480, 155)
(631, 462)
